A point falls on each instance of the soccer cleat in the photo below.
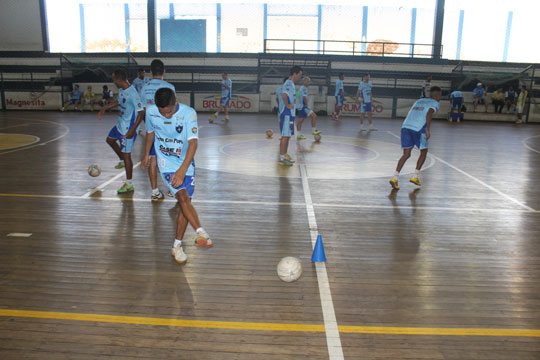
(415, 181)
(202, 240)
(288, 157)
(212, 118)
(226, 119)
(120, 165)
(158, 196)
(394, 183)
(300, 137)
(286, 162)
(179, 254)
(315, 132)
(126, 188)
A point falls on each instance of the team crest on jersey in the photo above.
(179, 129)
(194, 130)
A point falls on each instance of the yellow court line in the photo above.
(267, 326)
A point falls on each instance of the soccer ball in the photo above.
(269, 133)
(317, 137)
(289, 269)
(94, 170)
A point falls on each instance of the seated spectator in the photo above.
(510, 99)
(107, 97)
(88, 98)
(75, 98)
(478, 96)
(497, 98)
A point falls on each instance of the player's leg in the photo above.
(112, 138)
(286, 133)
(313, 117)
(126, 146)
(184, 199)
(362, 117)
(475, 104)
(407, 143)
(422, 144)
(114, 145)
(370, 119)
(226, 109)
(299, 135)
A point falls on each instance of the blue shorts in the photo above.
(188, 184)
(286, 124)
(339, 100)
(73, 101)
(225, 101)
(366, 107)
(411, 138)
(457, 102)
(126, 145)
(304, 113)
(152, 150)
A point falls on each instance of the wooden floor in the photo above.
(449, 271)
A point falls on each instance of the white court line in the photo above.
(515, 201)
(102, 186)
(524, 142)
(333, 340)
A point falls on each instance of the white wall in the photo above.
(20, 26)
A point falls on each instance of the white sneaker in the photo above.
(362, 128)
(158, 196)
(372, 128)
(179, 254)
(288, 157)
(202, 239)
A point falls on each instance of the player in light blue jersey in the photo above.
(279, 99)
(340, 97)
(363, 96)
(226, 92)
(456, 101)
(157, 68)
(129, 104)
(286, 116)
(478, 96)
(415, 132)
(173, 132)
(75, 98)
(140, 81)
(304, 111)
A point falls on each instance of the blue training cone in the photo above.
(318, 252)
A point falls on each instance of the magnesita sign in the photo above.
(238, 103)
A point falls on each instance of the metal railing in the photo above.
(338, 47)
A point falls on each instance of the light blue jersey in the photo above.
(303, 93)
(479, 92)
(365, 91)
(416, 118)
(456, 95)
(149, 90)
(77, 94)
(289, 89)
(171, 137)
(139, 83)
(339, 86)
(129, 103)
(281, 105)
(224, 91)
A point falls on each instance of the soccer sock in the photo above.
(281, 157)
(199, 230)
(396, 175)
(177, 243)
(155, 191)
(129, 181)
(417, 173)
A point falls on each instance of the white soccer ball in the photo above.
(289, 269)
(94, 170)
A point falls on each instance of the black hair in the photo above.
(120, 74)
(105, 87)
(165, 97)
(341, 74)
(157, 67)
(141, 69)
(435, 89)
(295, 69)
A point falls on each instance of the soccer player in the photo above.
(415, 131)
(340, 96)
(426, 87)
(157, 68)
(520, 105)
(173, 132)
(129, 103)
(140, 81)
(456, 100)
(226, 91)
(88, 98)
(75, 98)
(363, 95)
(286, 116)
(304, 111)
(478, 96)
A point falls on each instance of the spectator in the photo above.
(478, 96)
(498, 100)
(520, 104)
(75, 98)
(426, 88)
(510, 99)
(108, 96)
(88, 98)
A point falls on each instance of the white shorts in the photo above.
(519, 109)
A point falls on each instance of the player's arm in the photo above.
(342, 91)
(286, 101)
(305, 101)
(147, 147)
(140, 116)
(180, 174)
(429, 115)
(225, 86)
(106, 107)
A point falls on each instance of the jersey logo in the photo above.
(194, 130)
(179, 129)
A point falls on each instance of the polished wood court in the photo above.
(448, 271)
